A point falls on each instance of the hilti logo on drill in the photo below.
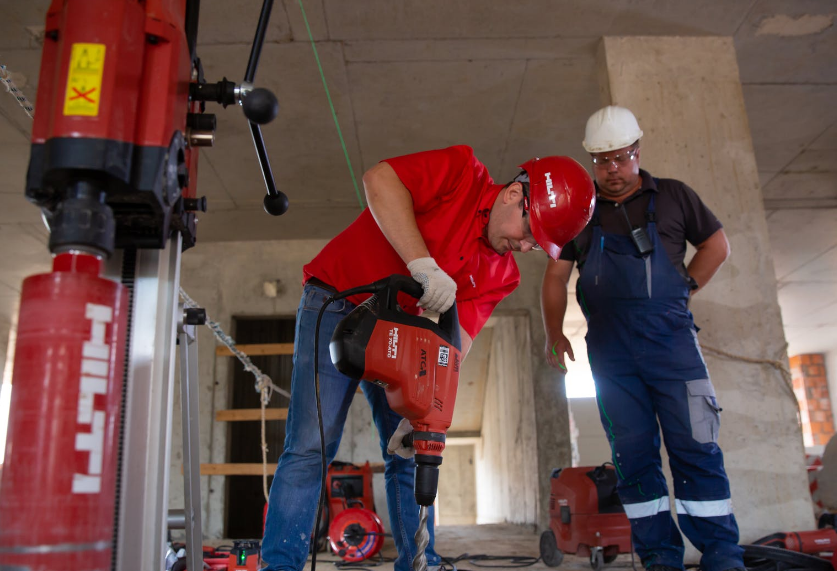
(392, 345)
(95, 369)
(549, 192)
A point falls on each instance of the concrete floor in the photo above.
(496, 539)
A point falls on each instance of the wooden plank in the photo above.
(255, 350)
(242, 469)
(239, 414)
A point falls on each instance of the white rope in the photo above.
(10, 86)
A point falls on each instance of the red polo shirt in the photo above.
(452, 198)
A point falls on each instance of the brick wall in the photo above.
(810, 384)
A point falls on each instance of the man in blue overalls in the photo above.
(634, 290)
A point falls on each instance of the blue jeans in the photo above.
(295, 491)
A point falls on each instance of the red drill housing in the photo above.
(417, 362)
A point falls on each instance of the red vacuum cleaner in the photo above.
(356, 532)
(586, 517)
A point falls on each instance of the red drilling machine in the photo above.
(113, 167)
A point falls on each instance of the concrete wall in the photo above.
(457, 500)
(507, 485)
(593, 447)
(551, 414)
(831, 374)
(687, 96)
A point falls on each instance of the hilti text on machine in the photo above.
(392, 345)
(95, 370)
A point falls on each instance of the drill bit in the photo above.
(422, 540)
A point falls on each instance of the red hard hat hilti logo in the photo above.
(549, 192)
(95, 370)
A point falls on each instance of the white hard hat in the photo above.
(610, 128)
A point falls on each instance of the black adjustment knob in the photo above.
(276, 204)
(194, 316)
(261, 106)
(194, 204)
(201, 121)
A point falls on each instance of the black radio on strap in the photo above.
(638, 235)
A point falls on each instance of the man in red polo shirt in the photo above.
(439, 217)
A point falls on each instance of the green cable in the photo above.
(331, 105)
(610, 430)
(554, 352)
(613, 440)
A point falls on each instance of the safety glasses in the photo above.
(527, 230)
(602, 160)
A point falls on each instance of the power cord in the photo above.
(327, 302)
(483, 560)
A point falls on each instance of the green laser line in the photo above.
(610, 430)
(331, 105)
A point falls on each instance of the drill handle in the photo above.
(398, 283)
(407, 441)
(449, 323)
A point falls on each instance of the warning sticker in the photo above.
(84, 80)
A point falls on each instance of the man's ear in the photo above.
(513, 193)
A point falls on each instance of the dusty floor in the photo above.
(498, 539)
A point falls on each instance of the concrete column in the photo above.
(550, 410)
(687, 96)
(507, 484)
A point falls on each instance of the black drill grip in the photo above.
(427, 478)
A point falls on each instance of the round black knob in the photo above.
(276, 204)
(261, 106)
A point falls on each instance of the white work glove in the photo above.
(439, 288)
(396, 444)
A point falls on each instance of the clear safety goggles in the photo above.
(601, 160)
(529, 238)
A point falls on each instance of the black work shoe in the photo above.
(663, 568)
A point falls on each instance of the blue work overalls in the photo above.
(647, 365)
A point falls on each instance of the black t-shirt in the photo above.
(681, 217)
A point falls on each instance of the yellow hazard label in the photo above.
(84, 80)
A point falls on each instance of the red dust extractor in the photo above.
(355, 531)
(586, 517)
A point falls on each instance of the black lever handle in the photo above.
(258, 42)
(260, 107)
(276, 201)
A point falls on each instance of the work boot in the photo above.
(658, 567)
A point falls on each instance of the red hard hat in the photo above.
(561, 201)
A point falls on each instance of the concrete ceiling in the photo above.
(510, 81)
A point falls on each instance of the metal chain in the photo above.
(10, 86)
